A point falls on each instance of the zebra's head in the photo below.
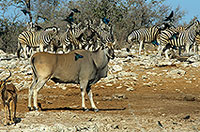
(197, 26)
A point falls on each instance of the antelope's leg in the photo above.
(11, 111)
(5, 113)
(83, 85)
(36, 89)
(15, 108)
(89, 92)
(31, 92)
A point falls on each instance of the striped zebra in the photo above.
(179, 38)
(145, 35)
(197, 44)
(106, 32)
(91, 39)
(87, 37)
(39, 39)
(69, 39)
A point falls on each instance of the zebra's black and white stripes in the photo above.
(144, 35)
(171, 38)
(39, 39)
(88, 37)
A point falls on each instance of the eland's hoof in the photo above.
(95, 110)
(35, 108)
(30, 108)
(85, 109)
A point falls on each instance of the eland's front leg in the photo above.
(89, 92)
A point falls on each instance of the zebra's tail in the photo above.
(18, 50)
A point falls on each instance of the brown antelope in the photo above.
(9, 98)
(79, 66)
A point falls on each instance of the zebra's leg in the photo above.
(41, 48)
(166, 53)
(141, 45)
(25, 51)
(64, 48)
(195, 47)
(180, 48)
(187, 47)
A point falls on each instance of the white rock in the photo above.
(195, 64)
(117, 68)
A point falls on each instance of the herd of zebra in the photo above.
(168, 37)
(84, 35)
(90, 36)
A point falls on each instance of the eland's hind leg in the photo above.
(36, 89)
(31, 92)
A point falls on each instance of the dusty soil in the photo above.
(169, 105)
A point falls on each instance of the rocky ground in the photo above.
(141, 93)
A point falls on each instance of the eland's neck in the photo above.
(100, 58)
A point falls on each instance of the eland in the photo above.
(79, 66)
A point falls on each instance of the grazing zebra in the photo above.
(184, 38)
(39, 39)
(145, 35)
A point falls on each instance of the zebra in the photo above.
(106, 32)
(180, 37)
(197, 44)
(91, 39)
(39, 39)
(69, 39)
(145, 35)
(87, 37)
